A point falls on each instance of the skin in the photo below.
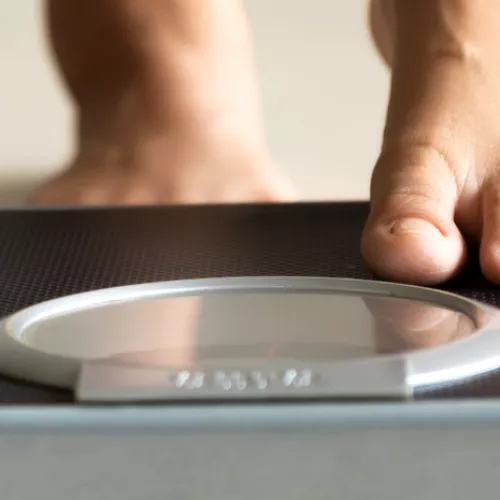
(168, 108)
(435, 185)
(168, 111)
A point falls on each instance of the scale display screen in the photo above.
(250, 337)
(249, 328)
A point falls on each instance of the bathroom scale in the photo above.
(236, 352)
(228, 303)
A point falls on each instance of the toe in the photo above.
(410, 235)
(490, 236)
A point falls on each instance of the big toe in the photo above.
(490, 237)
(410, 235)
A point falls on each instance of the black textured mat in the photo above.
(48, 254)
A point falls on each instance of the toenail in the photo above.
(416, 226)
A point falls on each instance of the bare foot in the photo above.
(168, 108)
(173, 168)
(437, 181)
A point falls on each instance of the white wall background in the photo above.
(324, 90)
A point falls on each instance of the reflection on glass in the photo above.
(248, 327)
(407, 325)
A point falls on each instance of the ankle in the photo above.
(134, 136)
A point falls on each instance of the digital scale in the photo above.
(236, 352)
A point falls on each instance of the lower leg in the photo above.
(167, 101)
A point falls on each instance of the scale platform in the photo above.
(420, 424)
(251, 266)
